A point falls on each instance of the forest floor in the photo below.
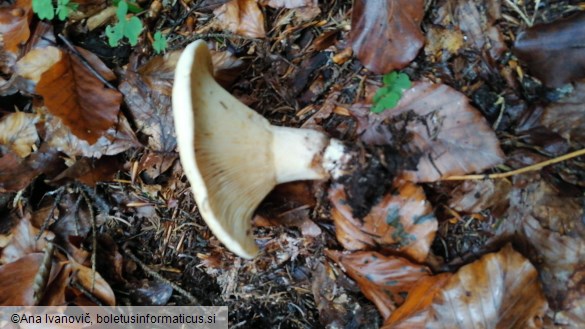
(88, 160)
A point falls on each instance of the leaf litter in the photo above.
(87, 156)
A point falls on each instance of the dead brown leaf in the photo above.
(148, 95)
(501, 290)
(541, 47)
(24, 242)
(72, 93)
(58, 136)
(386, 35)
(36, 62)
(18, 278)
(403, 220)
(242, 17)
(17, 173)
(437, 123)
(383, 280)
(14, 22)
(474, 196)
(90, 171)
(18, 133)
(567, 116)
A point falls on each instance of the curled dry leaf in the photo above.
(437, 123)
(542, 46)
(550, 227)
(476, 20)
(36, 62)
(383, 280)
(147, 93)
(501, 290)
(17, 173)
(72, 93)
(386, 35)
(14, 22)
(58, 136)
(18, 133)
(24, 241)
(242, 17)
(402, 220)
(567, 116)
(474, 196)
(18, 279)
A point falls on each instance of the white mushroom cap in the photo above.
(231, 155)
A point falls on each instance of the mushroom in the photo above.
(233, 157)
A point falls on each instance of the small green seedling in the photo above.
(388, 96)
(129, 28)
(45, 9)
(160, 43)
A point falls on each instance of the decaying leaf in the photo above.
(549, 224)
(17, 280)
(17, 173)
(36, 62)
(383, 280)
(73, 93)
(24, 242)
(477, 19)
(386, 35)
(501, 290)
(18, 133)
(148, 95)
(117, 139)
(403, 220)
(14, 22)
(554, 52)
(567, 116)
(242, 17)
(438, 124)
(474, 196)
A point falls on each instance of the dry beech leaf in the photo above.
(90, 171)
(438, 123)
(567, 116)
(17, 280)
(290, 3)
(14, 24)
(117, 139)
(542, 46)
(386, 35)
(550, 226)
(242, 17)
(147, 93)
(36, 62)
(474, 196)
(24, 241)
(72, 93)
(17, 173)
(500, 290)
(403, 220)
(18, 133)
(476, 20)
(383, 280)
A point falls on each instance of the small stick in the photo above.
(93, 238)
(533, 167)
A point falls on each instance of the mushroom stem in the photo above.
(233, 157)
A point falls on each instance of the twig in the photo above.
(520, 12)
(85, 63)
(84, 291)
(533, 167)
(45, 224)
(149, 271)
